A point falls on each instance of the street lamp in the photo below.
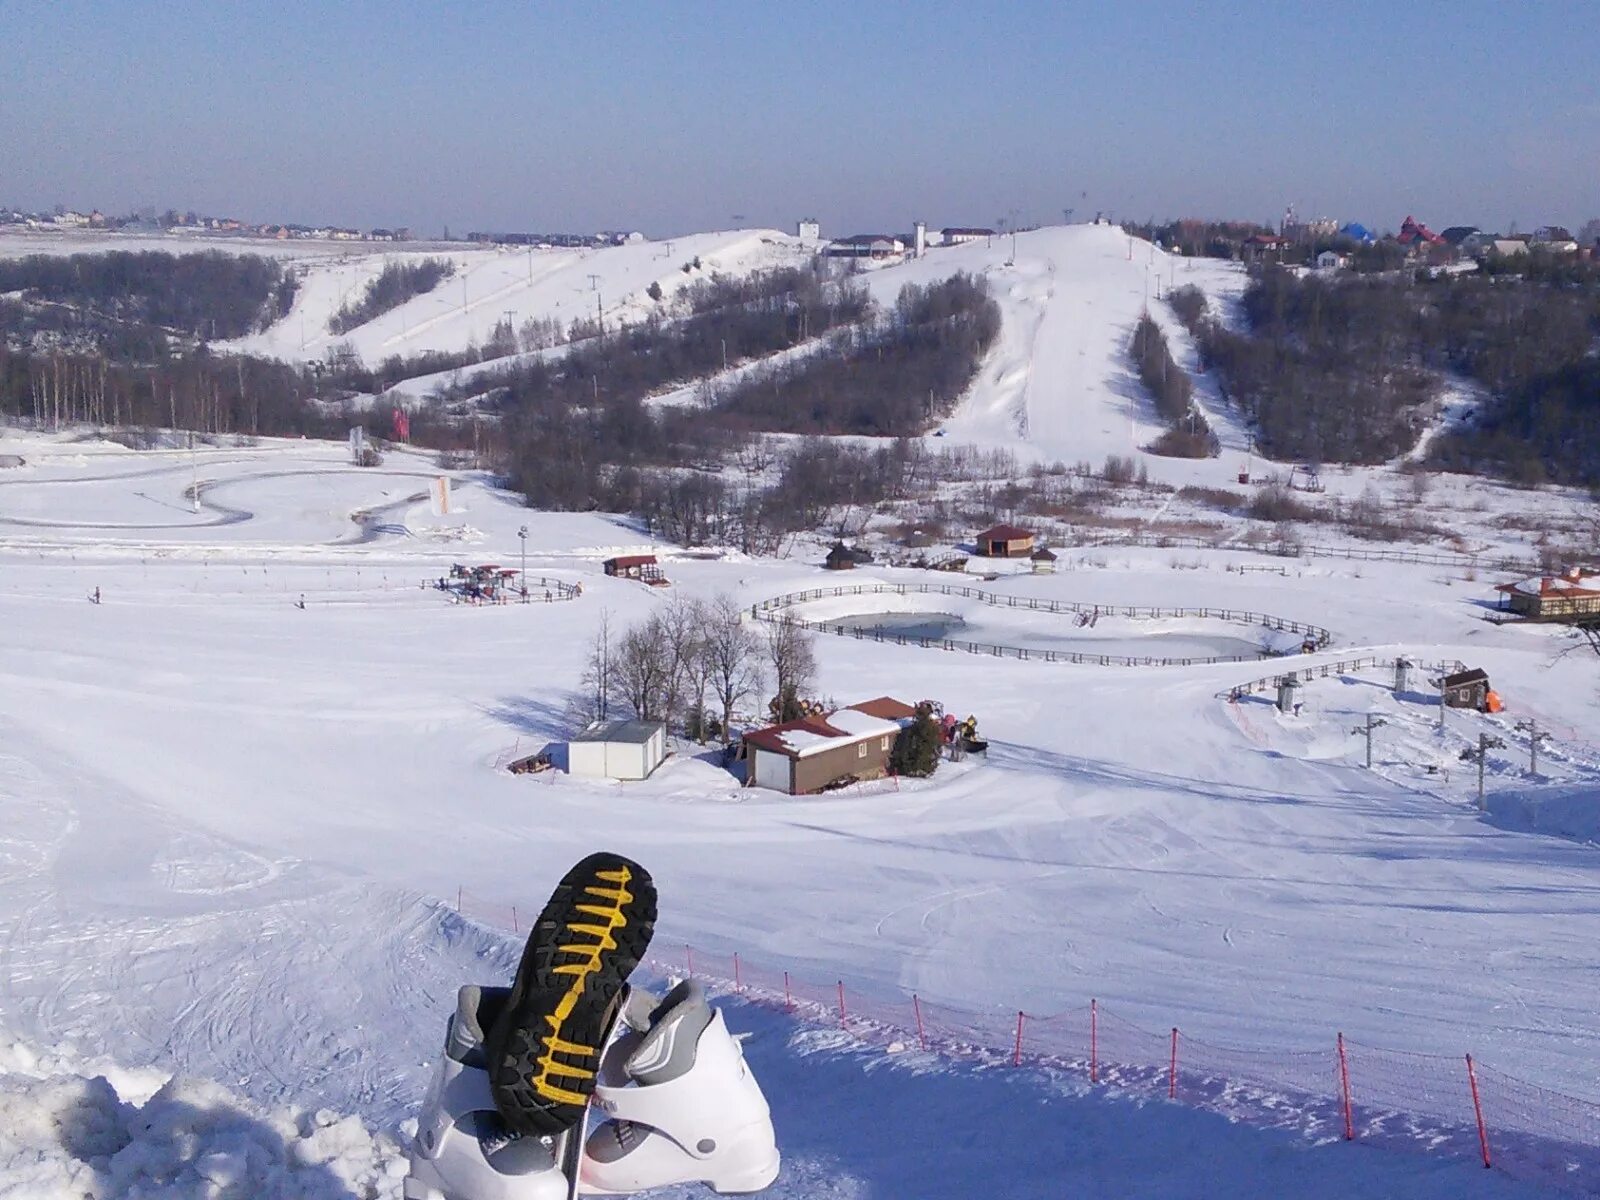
(522, 534)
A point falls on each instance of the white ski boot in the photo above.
(464, 1150)
(681, 1103)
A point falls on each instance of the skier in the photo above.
(506, 1117)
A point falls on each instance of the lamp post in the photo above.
(522, 535)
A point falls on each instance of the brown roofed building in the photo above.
(813, 753)
(1568, 597)
(1005, 541)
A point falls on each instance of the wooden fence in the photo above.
(1348, 666)
(776, 608)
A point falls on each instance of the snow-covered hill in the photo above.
(512, 283)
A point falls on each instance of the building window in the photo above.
(883, 742)
(861, 750)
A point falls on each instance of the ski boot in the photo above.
(543, 1049)
(464, 1150)
(681, 1105)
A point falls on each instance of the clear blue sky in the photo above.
(870, 114)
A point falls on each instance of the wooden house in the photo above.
(1569, 597)
(1468, 689)
(1044, 561)
(816, 752)
(845, 558)
(1005, 541)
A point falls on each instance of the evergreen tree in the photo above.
(916, 750)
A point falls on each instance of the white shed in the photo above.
(617, 750)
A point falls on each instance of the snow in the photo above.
(491, 283)
(70, 1129)
(232, 829)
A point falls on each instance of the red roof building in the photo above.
(1552, 597)
(1005, 541)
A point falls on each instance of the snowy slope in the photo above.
(225, 815)
(492, 284)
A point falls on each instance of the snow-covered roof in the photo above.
(842, 727)
(1546, 587)
(635, 732)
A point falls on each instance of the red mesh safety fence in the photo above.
(1397, 1098)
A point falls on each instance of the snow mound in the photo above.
(71, 1129)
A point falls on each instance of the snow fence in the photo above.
(1421, 1103)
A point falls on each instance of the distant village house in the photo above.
(865, 245)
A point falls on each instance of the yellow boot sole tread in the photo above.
(544, 1048)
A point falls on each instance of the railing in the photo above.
(1347, 666)
(772, 610)
(1286, 549)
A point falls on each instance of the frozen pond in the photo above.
(1040, 631)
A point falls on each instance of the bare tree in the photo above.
(791, 649)
(642, 674)
(681, 627)
(731, 654)
(597, 685)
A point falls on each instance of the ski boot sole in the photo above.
(544, 1049)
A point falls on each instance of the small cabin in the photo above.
(822, 751)
(1005, 541)
(642, 567)
(845, 558)
(1043, 560)
(1469, 689)
(617, 750)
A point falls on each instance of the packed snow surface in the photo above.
(239, 796)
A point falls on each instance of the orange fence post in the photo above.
(738, 984)
(842, 1013)
(1016, 1052)
(514, 928)
(1477, 1108)
(916, 1007)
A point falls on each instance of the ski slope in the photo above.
(235, 827)
(515, 283)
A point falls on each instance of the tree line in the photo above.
(890, 377)
(1346, 369)
(1188, 435)
(397, 283)
(207, 295)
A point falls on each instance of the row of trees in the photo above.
(893, 377)
(203, 296)
(212, 394)
(393, 286)
(1188, 435)
(691, 664)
